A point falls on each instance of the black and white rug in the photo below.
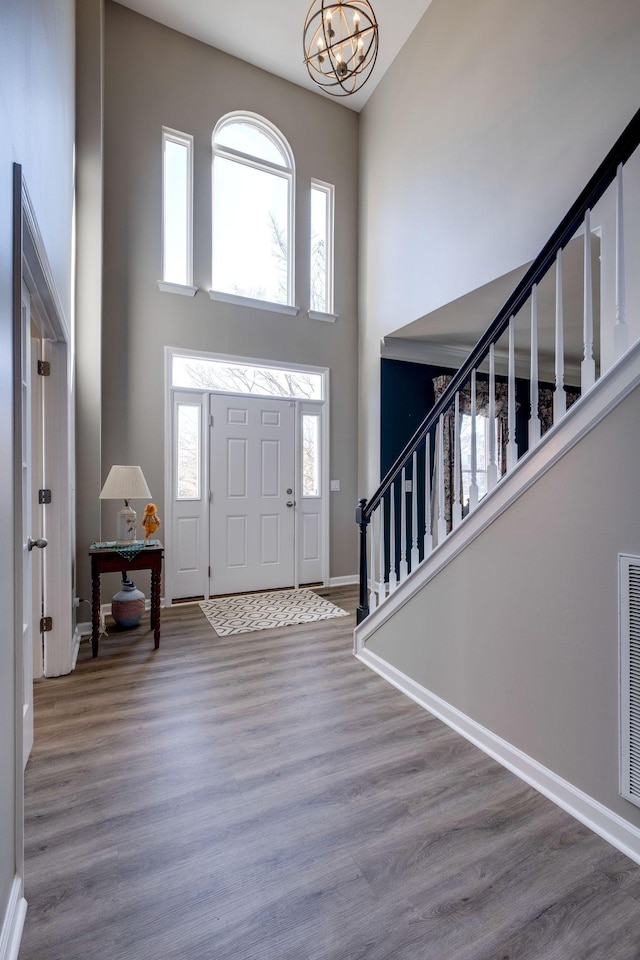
(261, 611)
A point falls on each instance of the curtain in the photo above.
(440, 384)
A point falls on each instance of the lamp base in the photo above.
(126, 525)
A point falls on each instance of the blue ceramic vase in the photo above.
(127, 605)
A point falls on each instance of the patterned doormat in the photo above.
(261, 611)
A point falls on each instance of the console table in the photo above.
(117, 559)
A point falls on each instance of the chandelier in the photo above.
(340, 44)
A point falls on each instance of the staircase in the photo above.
(489, 553)
(422, 499)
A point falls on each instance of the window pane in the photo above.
(310, 455)
(249, 139)
(205, 374)
(176, 213)
(188, 452)
(250, 232)
(319, 225)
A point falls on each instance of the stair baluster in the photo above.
(621, 329)
(534, 419)
(559, 395)
(428, 537)
(512, 446)
(588, 365)
(473, 486)
(415, 550)
(456, 509)
(404, 566)
(393, 576)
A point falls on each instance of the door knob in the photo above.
(290, 503)
(40, 543)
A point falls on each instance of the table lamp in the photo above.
(125, 483)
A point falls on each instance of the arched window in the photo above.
(253, 180)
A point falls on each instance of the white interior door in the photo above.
(252, 483)
(37, 528)
(27, 608)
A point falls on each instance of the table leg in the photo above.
(155, 605)
(95, 612)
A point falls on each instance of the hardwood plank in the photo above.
(266, 797)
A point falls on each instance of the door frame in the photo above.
(53, 325)
(323, 405)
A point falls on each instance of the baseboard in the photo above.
(13, 923)
(603, 821)
(82, 631)
(344, 581)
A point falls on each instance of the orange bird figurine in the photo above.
(150, 521)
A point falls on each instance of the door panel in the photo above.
(252, 466)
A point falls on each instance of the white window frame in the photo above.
(287, 172)
(184, 140)
(330, 191)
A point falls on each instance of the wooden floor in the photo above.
(266, 797)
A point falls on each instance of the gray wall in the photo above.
(473, 147)
(37, 121)
(520, 631)
(155, 76)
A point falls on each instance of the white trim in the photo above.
(232, 358)
(343, 581)
(181, 288)
(438, 355)
(320, 315)
(581, 418)
(13, 922)
(329, 191)
(38, 275)
(183, 140)
(594, 815)
(239, 301)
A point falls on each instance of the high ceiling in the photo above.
(269, 34)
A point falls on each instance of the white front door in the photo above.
(252, 483)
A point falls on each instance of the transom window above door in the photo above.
(253, 236)
(205, 373)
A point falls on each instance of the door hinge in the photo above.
(46, 624)
(44, 368)
(44, 496)
(209, 572)
(210, 419)
(210, 496)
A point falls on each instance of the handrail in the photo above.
(595, 188)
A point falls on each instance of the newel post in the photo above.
(363, 609)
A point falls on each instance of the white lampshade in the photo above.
(125, 483)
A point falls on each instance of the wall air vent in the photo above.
(629, 581)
